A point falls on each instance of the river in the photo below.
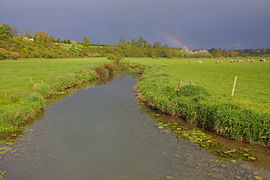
(102, 132)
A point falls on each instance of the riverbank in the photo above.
(27, 84)
(159, 89)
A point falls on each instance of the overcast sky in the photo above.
(194, 23)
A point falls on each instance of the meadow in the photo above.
(25, 84)
(204, 97)
(199, 93)
(17, 76)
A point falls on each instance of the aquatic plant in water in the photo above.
(205, 141)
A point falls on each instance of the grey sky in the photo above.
(194, 23)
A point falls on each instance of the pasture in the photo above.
(199, 90)
(253, 85)
(17, 76)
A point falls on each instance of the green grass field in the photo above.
(205, 99)
(17, 76)
(253, 85)
(25, 83)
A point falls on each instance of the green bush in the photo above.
(5, 54)
(102, 72)
(111, 56)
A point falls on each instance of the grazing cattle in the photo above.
(232, 61)
(262, 60)
(252, 60)
(200, 62)
(240, 61)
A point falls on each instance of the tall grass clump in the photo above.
(196, 105)
(111, 69)
(16, 114)
(106, 71)
(102, 72)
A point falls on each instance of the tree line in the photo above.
(43, 45)
(239, 52)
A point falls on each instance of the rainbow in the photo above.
(175, 41)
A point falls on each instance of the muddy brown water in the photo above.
(101, 132)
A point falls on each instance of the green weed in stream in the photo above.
(205, 141)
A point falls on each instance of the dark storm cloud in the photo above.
(195, 23)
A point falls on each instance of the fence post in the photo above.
(234, 85)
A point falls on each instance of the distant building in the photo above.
(27, 38)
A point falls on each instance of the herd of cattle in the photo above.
(249, 60)
(237, 61)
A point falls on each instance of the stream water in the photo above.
(101, 132)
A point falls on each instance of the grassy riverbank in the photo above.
(25, 84)
(205, 97)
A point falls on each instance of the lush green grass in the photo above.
(68, 46)
(206, 98)
(25, 83)
(17, 76)
(253, 85)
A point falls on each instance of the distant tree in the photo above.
(230, 53)
(234, 54)
(141, 42)
(43, 37)
(157, 44)
(86, 41)
(6, 31)
(122, 43)
(133, 42)
(216, 52)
